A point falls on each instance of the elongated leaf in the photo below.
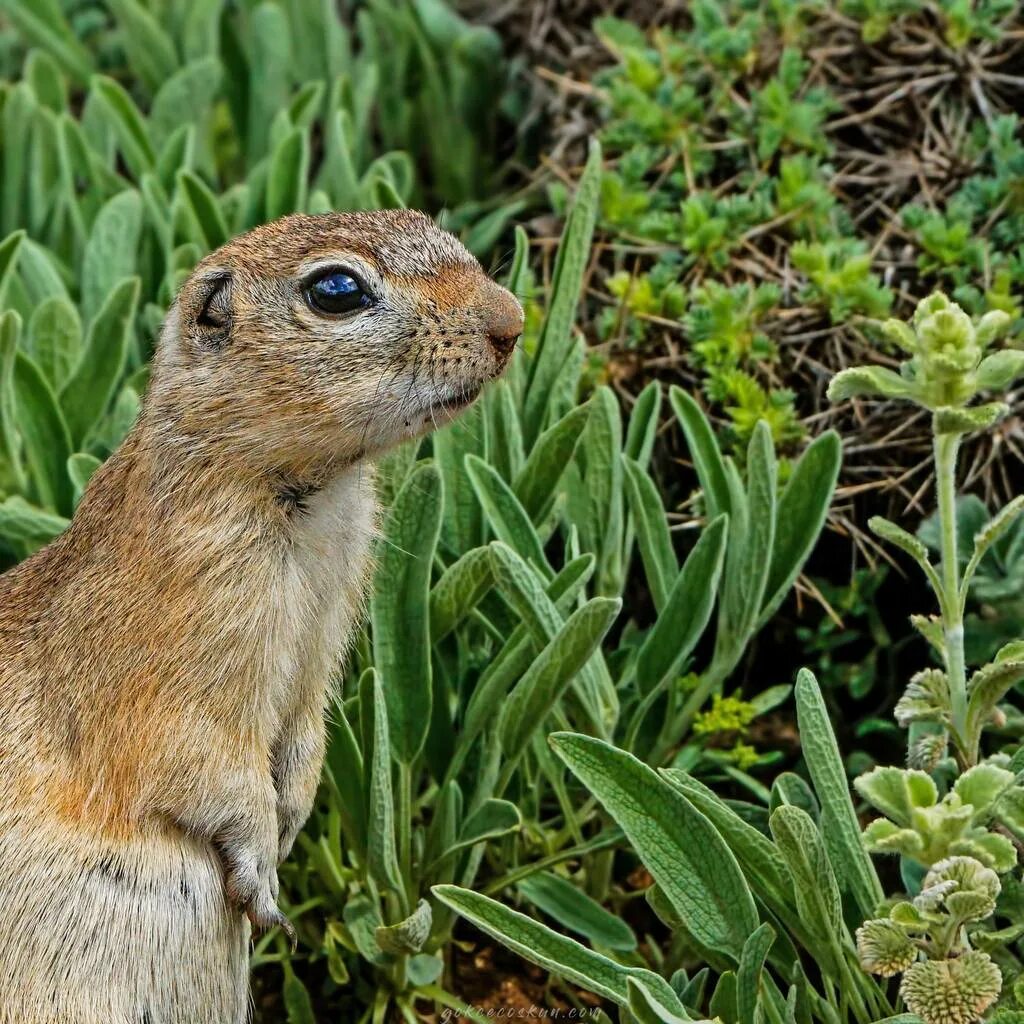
(515, 657)
(535, 695)
(647, 1008)
(459, 591)
(186, 97)
(803, 507)
(150, 51)
(757, 855)
(679, 846)
(839, 823)
(687, 611)
(907, 542)
(704, 450)
(540, 945)
(10, 438)
(205, 210)
(505, 514)
(538, 480)
(748, 974)
(651, 525)
(571, 907)
(400, 609)
(567, 283)
(23, 523)
(111, 253)
(288, 175)
(55, 339)
(381, 849)
(409, 935)
(643, 425)
(128, 125)
(87, 395)
(815, 888)
(525, 589)
(491, 820)
(43, 22)
(44, 432)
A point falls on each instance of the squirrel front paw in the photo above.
(255, 892)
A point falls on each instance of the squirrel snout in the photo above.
(502, 317)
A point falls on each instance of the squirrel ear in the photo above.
(213, 317)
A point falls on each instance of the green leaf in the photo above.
(111, 253)
(81, 467)
(23, 523)
(505, 514)
(297, 1004)
(704, 450)
(567, 282)
(271, 71)
(869, 382)
(643, 425)
(815, 889)
(382, 853)
(54, 338)
(897, 792)
(540, 945)
(186, 97)
(965, 421)
(907, 542)
(999, 370)
(147, 46)
(10, 437)
(128, 125)
(647, 1008)
(537, 482)
(9, 260)
(573, 909)
(88, 392)
(659, 558)
(205, 209)
(683, 851)
(748, 974)
(987, 687)
(759, 858)
(400, 608)
(544, 682)
(993, 530)
(493, 818)
(408, 936)
(839, 822)
(686, 613)
(515, 657)
(44, 432)
(459, 590)
(750, 542)
(803, 508)
(43, 22)
(288, 175)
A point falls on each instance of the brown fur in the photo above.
(165, 664)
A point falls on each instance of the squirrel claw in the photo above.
(263, 922)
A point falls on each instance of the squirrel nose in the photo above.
(502, 318)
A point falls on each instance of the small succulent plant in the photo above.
(945, 981)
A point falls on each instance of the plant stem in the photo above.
(946, 448)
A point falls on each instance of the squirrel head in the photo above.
(320, 340)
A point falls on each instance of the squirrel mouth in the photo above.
(456, 403)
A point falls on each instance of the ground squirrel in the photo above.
(165, 663)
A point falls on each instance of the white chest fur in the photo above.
(318, 596)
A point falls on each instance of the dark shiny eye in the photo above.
(336, 292)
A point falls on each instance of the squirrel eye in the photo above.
(336, 292)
